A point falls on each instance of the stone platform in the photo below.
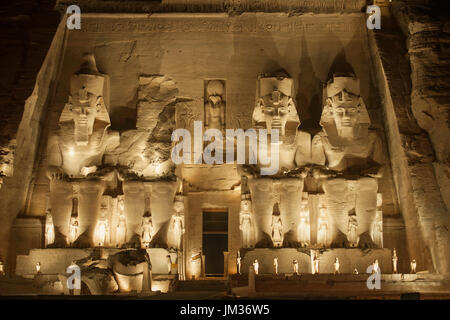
(341, 285)
(349, 260)
(55, 261)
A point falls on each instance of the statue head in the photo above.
(49, 218)
(103, 210)
(86, 103)
(275, 108)
(215, 91)
(246, 205)
(121, 204)
(178, 206)
(344, 107)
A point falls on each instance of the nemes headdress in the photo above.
(336, 84)
(90, 79)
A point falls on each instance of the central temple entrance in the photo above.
(215, 241)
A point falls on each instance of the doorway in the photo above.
(215, 241)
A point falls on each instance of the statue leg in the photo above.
(61, 194)
(366, 206)
(262, 201)
(290, 207)
(338, 204)
(89, 210)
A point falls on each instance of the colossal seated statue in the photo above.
(275, 110)
(351, 158)
(74, 151)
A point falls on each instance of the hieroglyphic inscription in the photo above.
(158, 25)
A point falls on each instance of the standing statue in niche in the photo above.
(304, 234)
(351, 157)
(121, 229)
(147, 226)
(352, 231)
(176, 229)
(83, 135)
(215, 105)
(101, 231)
(322, 232)
(73, 223)
(277, 227)
(245, 224)
(49, 229)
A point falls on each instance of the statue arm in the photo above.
(54, 159)
(377, 156)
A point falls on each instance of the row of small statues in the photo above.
(315, 265)
(102, 230)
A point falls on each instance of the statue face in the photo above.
(276, 110)
(103, 211)
(246, 205)
(84, 111)
(178, 206)
(344, 98)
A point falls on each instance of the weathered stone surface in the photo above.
(426, 29)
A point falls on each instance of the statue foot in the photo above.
(366, 242)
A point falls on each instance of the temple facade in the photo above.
(192, 145)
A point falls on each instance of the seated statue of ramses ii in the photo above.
(349, 159)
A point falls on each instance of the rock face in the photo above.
(262, 66)
(428, 32)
